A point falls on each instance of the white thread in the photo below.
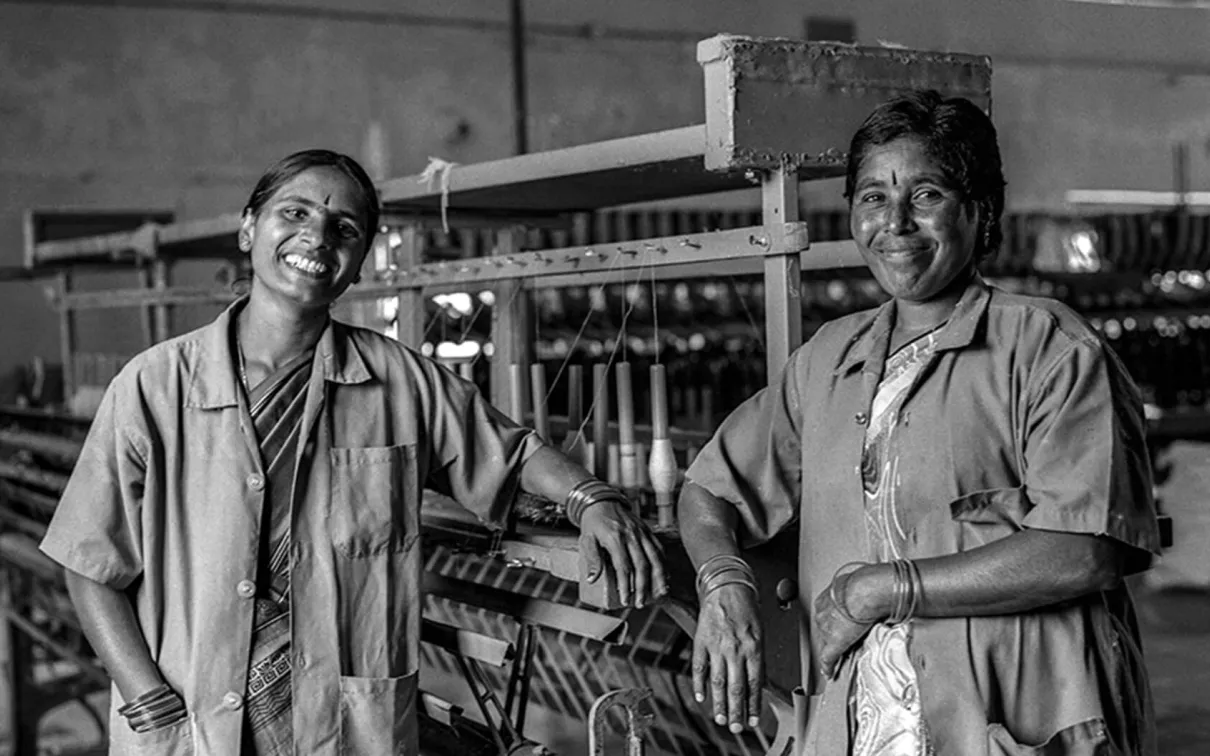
(439, 168)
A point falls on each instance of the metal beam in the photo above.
(548, 614)
(614, 258)
(672, 265)
(26, 525)
(783, 274)
(67, 337)
(409, 311)
(87, 667)
(39, 502)
(22, 550)
(466, 643)
(162, 313)
(659, 165)
(46, 444)
(511, 328)
(33, 476)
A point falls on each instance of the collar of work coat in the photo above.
(213, 385)
(869, 346)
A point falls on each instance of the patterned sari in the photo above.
(276, 407)
(886, 697)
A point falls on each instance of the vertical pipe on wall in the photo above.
(163, 311)
(147, 313)
(520, 106)
(67, 337)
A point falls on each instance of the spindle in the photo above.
(600, 420)
(574, 443)
(537, 386)
(516, 392)
(661, 466)
(627, 463)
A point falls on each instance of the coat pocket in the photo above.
(375, 499)
(378, 716)
(174, 740)
(1089, 738)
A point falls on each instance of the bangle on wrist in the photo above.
(723, 569)
(907, 591)
(588, 492)
(839, 589)
(158, 707)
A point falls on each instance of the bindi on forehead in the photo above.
(328, 201)
(894, 179)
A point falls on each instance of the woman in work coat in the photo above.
(968, 471)
(241, 530)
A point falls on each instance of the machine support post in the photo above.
(783, 270)
(511, 330)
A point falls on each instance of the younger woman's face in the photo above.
(309, 239)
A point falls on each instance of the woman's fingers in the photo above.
(727, 659)
(623, 571)
(592, 556)
(756, 681)
(737, 691)
(641, 572)
(655, 558)
(718, 687)
(701, 667)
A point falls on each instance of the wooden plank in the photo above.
(772, 102)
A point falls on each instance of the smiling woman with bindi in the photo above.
(967, 469)
(241, 532)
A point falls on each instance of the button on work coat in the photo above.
(1022, 418)
(166, 503)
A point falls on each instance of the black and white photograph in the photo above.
(635, 377)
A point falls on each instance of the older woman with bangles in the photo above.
(241, 530)
(967, 470)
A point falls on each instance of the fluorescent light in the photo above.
(1202, 4)
(1135, 196)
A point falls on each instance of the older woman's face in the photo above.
(309, 239)
(913, 228)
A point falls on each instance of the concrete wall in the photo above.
(180, 104)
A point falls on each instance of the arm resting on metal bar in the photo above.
(606, 529)
(108, 620)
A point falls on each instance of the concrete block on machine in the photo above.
(773, 102)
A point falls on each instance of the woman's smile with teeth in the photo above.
(306, 265)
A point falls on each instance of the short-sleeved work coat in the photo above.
(1022, 418)
(166, 502)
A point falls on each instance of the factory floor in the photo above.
(1176, 635)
